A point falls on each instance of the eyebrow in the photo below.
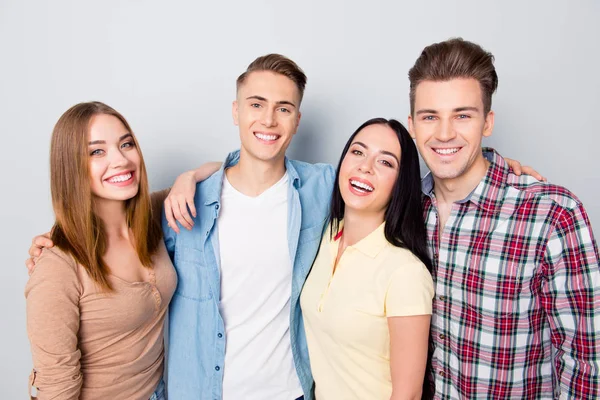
(125, 136)
(382, 151)
(459, 109)
(280, 102)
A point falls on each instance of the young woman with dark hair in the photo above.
(367, 300)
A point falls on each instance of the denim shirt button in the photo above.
(217, 368)
(219, 335)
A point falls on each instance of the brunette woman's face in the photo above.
(114, 159)
(369, 170)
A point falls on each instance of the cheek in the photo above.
(346, 167)
(386, 184)
(96, 171)
(135, 158)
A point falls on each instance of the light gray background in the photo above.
(170, 68)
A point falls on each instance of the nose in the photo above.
(366, 165)
(269, 118)
(445, 132)
(118, 159)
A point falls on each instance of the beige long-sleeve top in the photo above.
(88, 344)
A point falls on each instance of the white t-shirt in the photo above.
(256, 286)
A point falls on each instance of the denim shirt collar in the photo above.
(214, 191)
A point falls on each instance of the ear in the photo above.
(234, 113)
(488, 127)
(411, 128)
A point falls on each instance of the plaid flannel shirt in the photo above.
(517, 305)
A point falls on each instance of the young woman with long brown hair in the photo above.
(96, 302)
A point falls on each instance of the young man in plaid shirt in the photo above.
(517, 306)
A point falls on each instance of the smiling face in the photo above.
(448, 125)
(114, 159)
(267, 113)
(369, 170)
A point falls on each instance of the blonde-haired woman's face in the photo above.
(114, 159)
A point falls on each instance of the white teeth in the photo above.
(361, 185)
(447, 151)
(120, 178)
(265, 137)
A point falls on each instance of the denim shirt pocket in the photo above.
(192, 275)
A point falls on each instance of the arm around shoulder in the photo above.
(52, 296)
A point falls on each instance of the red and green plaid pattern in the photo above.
(517, 306)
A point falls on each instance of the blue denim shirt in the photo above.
(196, 348)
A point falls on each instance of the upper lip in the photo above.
(119, 174)
(366, 182)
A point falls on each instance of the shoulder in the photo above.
(398, 265)
(55, 269)
(58, 258)
(308, 171)
(556, 195)
(558, 206)
(405, 270)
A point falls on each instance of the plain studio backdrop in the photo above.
(170, 68)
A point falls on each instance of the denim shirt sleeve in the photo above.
(169, 236)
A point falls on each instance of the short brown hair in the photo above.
(77, 230)
(452, 59)
(278, 64)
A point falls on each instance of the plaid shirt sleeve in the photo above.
(571, 297)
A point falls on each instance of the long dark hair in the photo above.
(404, 224)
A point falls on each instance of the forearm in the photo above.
(406, 395)
(205, 170)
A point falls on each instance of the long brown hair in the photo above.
(77, 229)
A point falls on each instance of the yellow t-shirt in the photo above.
(345, 314)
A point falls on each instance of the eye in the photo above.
(357, 152)
(464, 116)
(255, 105)
(97, 152)
(128, 145)
(386, 163)
(428, 117)
(283, 109)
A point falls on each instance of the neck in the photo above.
(358, 226)
(251, 176)
(114, 218)
(456, 189)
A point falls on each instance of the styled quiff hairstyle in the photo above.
(278, 64)
(452, 59)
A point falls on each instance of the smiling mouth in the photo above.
(120, 178)
(266, 137)
(447, 151)
(361, 186)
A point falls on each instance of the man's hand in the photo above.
(37, 245)
(519, 169)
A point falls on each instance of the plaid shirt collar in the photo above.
(488, 195)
